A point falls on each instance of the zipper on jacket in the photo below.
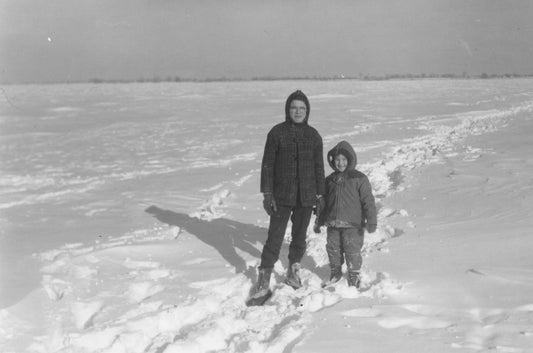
(337, 200)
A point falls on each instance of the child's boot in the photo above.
(293, 275)
(354, 280)
(336, 275)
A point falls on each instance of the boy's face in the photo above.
(341, 162)
(297, 111)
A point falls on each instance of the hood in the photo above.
(346, 150)
(300, 96)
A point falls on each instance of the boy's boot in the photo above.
(293, 275)
(262, 287)
(354, 280)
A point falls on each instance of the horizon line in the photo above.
(177, 79)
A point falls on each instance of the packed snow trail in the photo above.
(161, 290)
(466, 269)
(116, 297)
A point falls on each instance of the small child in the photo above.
(348, 208)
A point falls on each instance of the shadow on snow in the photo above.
(225, 236)
(222, 234)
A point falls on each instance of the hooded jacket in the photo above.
(293, 164)
(349, 199)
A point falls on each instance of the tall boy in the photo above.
(292, 182)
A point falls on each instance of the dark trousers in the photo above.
(300, 217)
(345, 243)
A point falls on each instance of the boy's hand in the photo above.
(371, 228)
(269, 204)
(320, 204)
(316, 228)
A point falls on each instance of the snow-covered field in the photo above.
(131, 219)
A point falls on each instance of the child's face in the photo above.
(341, 162)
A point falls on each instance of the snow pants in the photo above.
(345, 243)
(300, 217)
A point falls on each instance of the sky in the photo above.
(72, 40)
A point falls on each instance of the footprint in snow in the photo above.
(84, 313)
(137, 292)
(55, 288)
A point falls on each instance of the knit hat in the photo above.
(299, 96)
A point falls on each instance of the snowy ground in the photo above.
(132, 221)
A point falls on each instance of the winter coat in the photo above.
(349, 199)
(293, 162)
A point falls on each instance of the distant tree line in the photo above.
(362, 77)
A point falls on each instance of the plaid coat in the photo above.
(293, 164)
